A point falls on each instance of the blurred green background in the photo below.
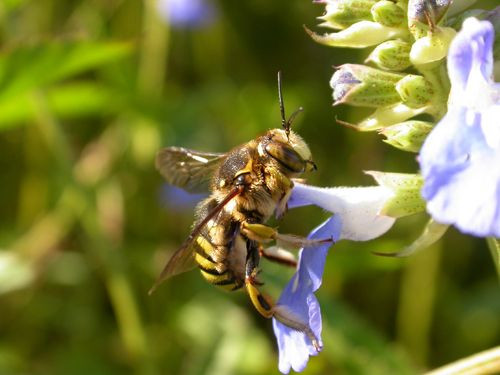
(89, 91)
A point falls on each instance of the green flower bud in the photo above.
(360, 85)
(406, 199)
(388, 13)
(387, 116)
(408, 135)
(360, 35)
(340, 14)
(423, 15)
(391, 55)
(432, 47)
(415, 91)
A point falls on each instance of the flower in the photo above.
(358, 208)
(460, 159)
(356, 218)
(177, 199)
(298, 296)
(186, 13)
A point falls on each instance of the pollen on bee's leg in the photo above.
(291, 320)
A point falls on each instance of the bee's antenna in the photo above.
(292, 117)
(285, 124)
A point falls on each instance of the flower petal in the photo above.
(358, 208)
(471, 46)
(187, 13)
(298, 297)
(460, 159)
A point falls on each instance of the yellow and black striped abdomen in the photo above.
(216, 273)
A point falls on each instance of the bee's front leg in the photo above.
(262, 233)
(286, 185)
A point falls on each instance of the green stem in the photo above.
(494, 245)
(417, 296)
(437, 76)
(487, 362)
(154, 51)
(51, 130)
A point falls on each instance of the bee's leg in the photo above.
(287, 183)
(282, 207)
(278, 255)
(263, 233)
(264, 305)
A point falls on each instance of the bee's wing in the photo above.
(183, 258)
(187, 169)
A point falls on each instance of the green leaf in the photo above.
(65, 101)
(26, 69)
(494, 245)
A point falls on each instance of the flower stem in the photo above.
(437, 76)
(494, 245)
(486, 362)
(417, 299)
(154, 51)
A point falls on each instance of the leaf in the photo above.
(65, 101)
(26, 69)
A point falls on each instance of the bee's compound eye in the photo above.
(241, 179)
(286, 156)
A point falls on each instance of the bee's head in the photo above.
(288, 148)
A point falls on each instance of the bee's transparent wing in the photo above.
(183, 258)
(181, 261)
(187, 169)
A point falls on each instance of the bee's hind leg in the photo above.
(278, 255)
(264, 305)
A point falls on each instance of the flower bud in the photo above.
(360, 85)
(388, 13)
(386, 116)
(415, 90)
(406, 199)
(408, 135)
(391, 55)
(360, 35)
(432, 47)
(340, 14)
(423, 15)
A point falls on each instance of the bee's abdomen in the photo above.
(216, 273)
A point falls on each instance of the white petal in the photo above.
(358, 208)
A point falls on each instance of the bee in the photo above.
(247, 186)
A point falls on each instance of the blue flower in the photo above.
(187, 13)
(357, 218)
(177, 199)
(294, 346)
(460, 159)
